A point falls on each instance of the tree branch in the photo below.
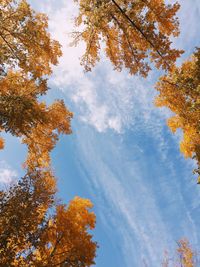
(140, 31)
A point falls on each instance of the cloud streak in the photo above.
(131, 160)
(141, 193)
(104, 98)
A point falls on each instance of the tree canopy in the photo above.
(180, 92)
(25, 42)
(35, 231)
(133, 33)
(185, 256)
(27, 53)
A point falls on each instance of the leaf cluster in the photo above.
(26, 55)
(33, 236)
(34, 229)
(133, 32)
(180, 92)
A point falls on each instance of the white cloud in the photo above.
(139, 197)
(7, 174)
(104, 98)
(107, 100)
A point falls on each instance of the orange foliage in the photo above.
(30, 236)
(31, 233)
(44, 136)
(1, 143)
(180, 92)
(185, 256)
(132, 31)
(26, 54)
(185, 253)
(24, 40)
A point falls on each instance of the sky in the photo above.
(121, 154)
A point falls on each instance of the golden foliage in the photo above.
(66, 240)
(185, 256)
(180, 92)
(44, 136)
(26, 54)
(23, 115)
(1, 143)
(31, 235)
(132, 31)
(19, 108)
(24, 39)
(185, 253)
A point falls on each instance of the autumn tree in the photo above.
(132, 32)
(26, 55)
(25, 42)
(34, 229)
(36, 232)
(185, 256)
(22, 115)
(180, 92)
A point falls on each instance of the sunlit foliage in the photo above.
(180, 92)
(26, 55)
(24, 39)
(33, 235)
(185, 256)
(133, 33)
(34, 229)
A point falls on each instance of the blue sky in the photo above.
(121, 155)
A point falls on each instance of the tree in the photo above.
(34, 229)
(24, 40)
(44, 136)
(36, 232)
(180, 92)
(26, 55)
(22, 115)
(185, 256)
(133, 32)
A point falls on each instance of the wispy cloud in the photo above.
(137, 171)
(7, 174)
(104, 98)
(142, 193)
